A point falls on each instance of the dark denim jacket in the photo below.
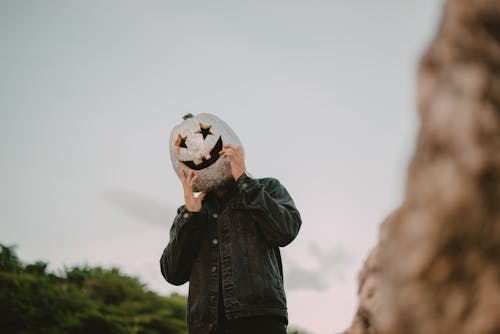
(236, 241)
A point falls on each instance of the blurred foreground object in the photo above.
(436, 268)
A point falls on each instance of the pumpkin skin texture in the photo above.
(195, 145)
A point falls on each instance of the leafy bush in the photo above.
(81, 300)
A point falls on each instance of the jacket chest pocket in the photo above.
(245, 233)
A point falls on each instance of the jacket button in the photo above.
(214, 269)
(185, 215)
(215, 215)
(244, 186)
(215, 242)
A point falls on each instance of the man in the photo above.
(226, 244)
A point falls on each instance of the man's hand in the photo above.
(193, 203)
(235, 155)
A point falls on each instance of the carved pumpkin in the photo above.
(195, 145)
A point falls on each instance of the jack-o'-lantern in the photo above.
(195, 145)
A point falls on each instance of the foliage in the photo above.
(81, 300)
(293, 330)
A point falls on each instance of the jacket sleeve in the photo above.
(279, 219)
(178, 257)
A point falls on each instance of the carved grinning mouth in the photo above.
(214, 156)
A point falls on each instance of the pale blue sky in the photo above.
(321, 93)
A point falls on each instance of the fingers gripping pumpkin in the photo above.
(195, 145)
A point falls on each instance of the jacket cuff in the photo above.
(245, 183)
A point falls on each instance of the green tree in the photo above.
(81, 300)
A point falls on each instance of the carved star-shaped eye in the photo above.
(181, 141)
(205, 130)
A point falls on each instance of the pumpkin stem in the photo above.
(187, 116)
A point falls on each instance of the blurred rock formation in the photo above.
(436, 268)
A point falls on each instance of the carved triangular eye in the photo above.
(205, 130)
(181, 141)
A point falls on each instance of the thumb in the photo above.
(201, 196)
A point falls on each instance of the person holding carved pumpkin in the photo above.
(226, 240)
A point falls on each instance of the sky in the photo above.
(321, 94)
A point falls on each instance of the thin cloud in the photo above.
(332, 260)
(299, 278)
(140, 207)
(331, 265)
